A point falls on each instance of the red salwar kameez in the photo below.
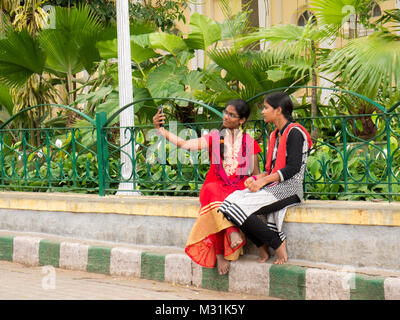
(210, 234)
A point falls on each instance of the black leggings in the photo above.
(259, 232)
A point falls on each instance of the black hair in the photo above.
(243, 110)
(241, 107)
(283, 100)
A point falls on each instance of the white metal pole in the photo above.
(198, 60)
(125, 94)
(398, 7)
(264, 20)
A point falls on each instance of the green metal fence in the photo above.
(343, 164)
(61, 161)
(348, 166)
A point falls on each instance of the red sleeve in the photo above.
(257, 148)
(252, 143)
(213, 134)
(208, 138)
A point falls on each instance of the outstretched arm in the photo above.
(191, 145)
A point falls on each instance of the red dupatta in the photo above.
(280, 161)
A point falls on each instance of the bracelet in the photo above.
(254, 177)
(158, 132)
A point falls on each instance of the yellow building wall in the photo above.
(211, 9)
(288, 11)
(281, 11)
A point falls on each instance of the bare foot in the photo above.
(264, 256)
(281, 253)
(236, 239)
(222, 264)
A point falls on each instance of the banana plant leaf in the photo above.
(204, 32)
(160, 40)
(109, 49)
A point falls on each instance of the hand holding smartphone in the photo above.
(160, 108)
(159, 118)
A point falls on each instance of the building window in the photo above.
(375, 10)
(304, 17)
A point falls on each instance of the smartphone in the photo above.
(161, 111)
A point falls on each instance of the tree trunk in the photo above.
(69, 88)
(314, 106)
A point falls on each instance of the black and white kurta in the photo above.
(270, 202)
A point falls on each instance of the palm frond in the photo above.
(235, 26)
(62, 53)
(20, 57)
(247, 73)
(220, 88)
(369, 64)
(390, 16)
(287, 40)
(236, 67)
(300, 67)
(333, 14)
(70, 46)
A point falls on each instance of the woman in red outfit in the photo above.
(233, 158)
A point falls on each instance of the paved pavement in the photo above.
(20, 282)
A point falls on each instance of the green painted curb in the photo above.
(6, 248)
(153, 266)
(287, 282)
(212, 280)
(49, 253)
(368, 288)
(98, 260)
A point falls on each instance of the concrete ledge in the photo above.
(246, 275)
(87, 203)
(311, 211)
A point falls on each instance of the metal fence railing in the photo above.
(349, 166)
(340, 166)
(344, 162)
(47, 160)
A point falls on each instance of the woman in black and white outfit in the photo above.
(260, 209)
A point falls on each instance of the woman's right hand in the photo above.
(248, 182)
(158, 119)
